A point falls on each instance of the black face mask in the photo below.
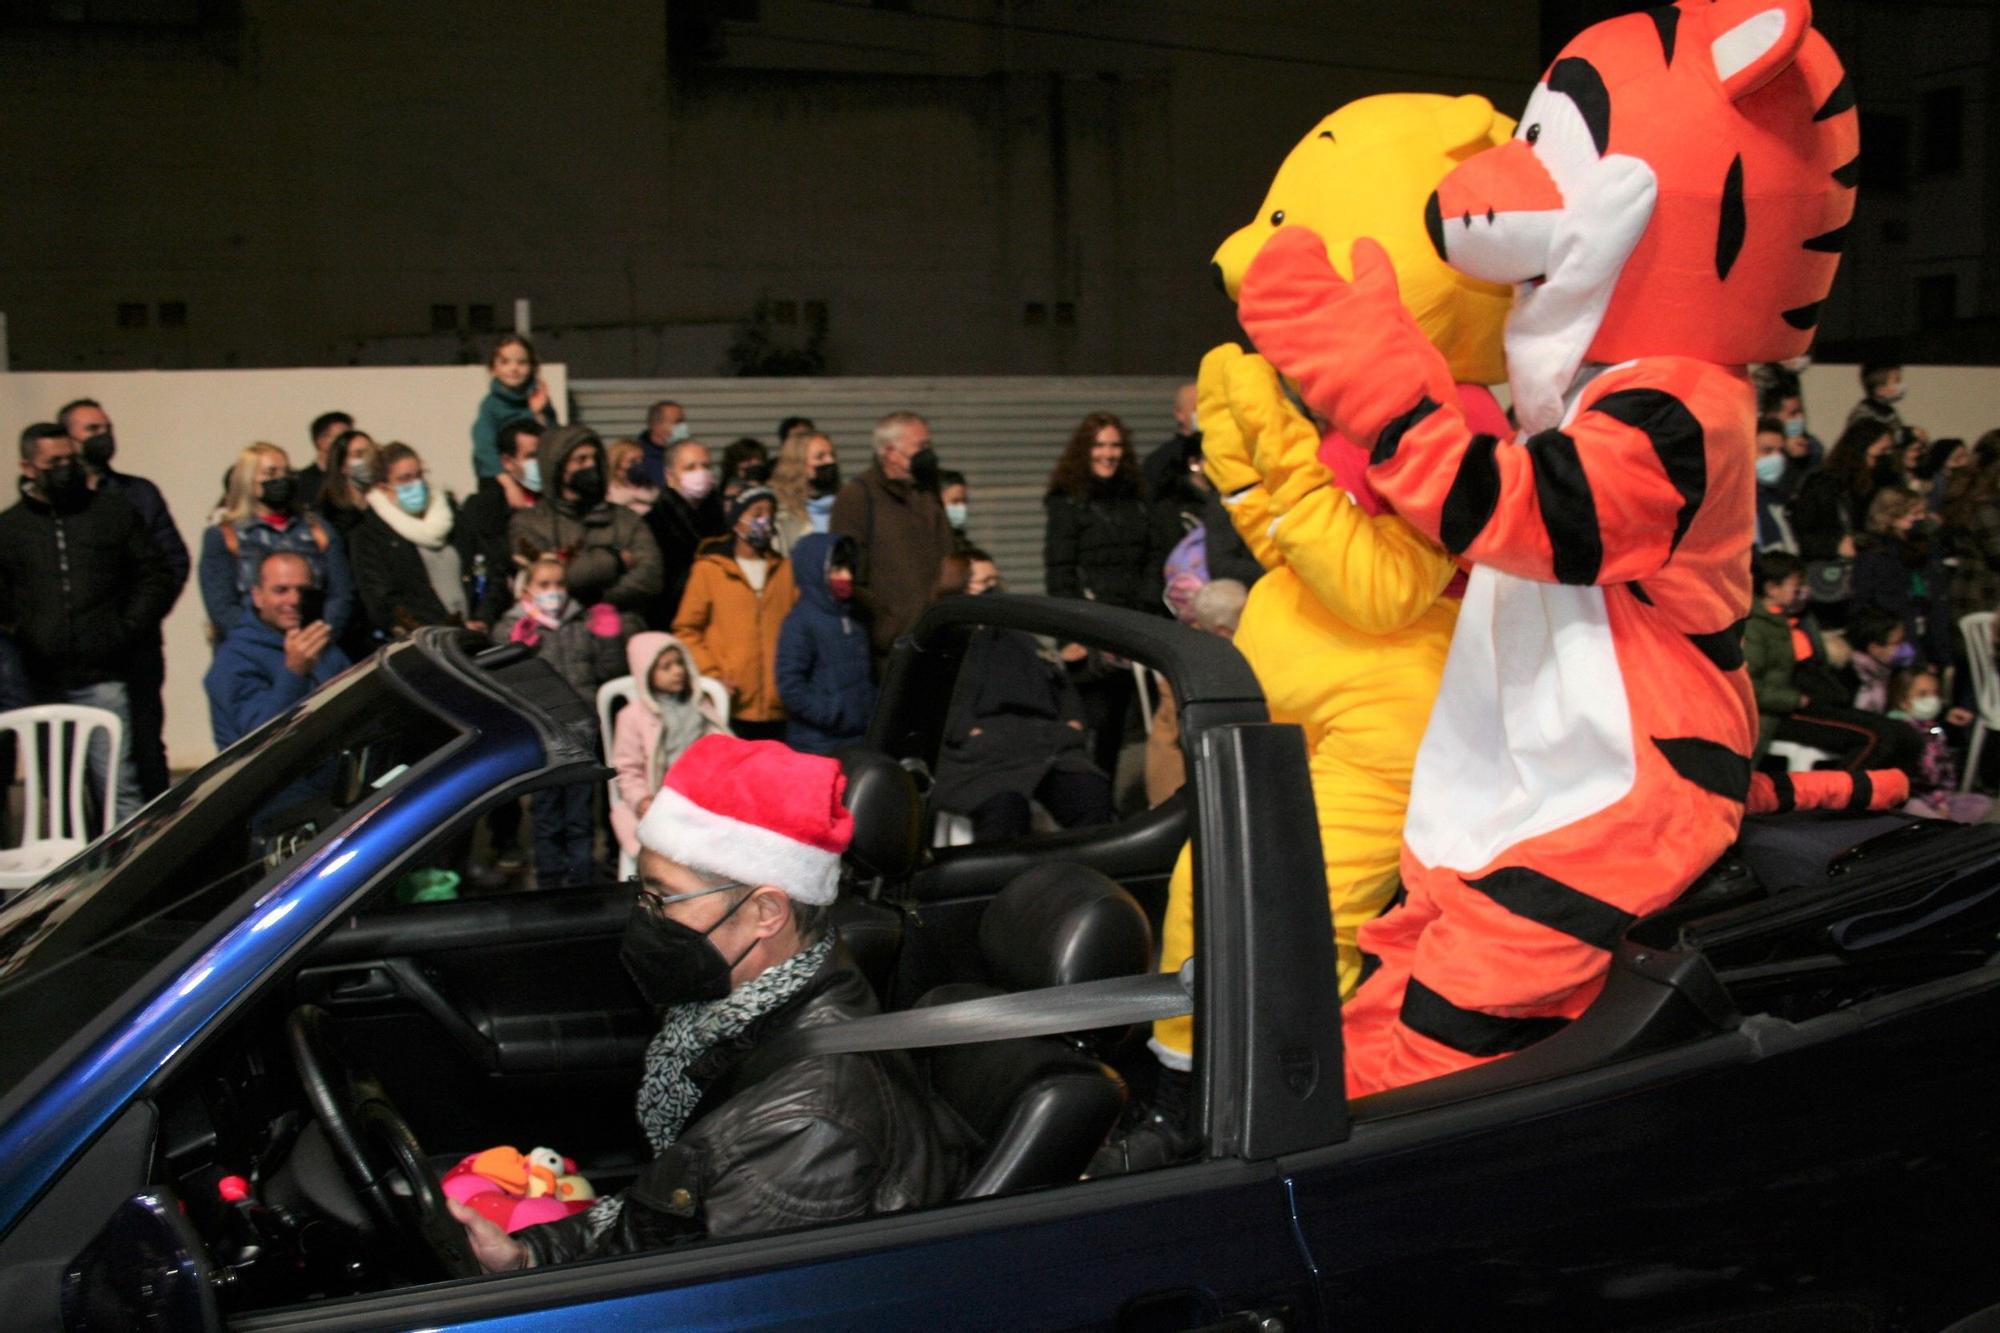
(675, 964)
(635, 475)
(826, 479)
(756, 474)
(278, 493)
(924, 469)
(98, 450)
(588, 485)
(64, 484)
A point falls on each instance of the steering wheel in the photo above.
(374, 1145)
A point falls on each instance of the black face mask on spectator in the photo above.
(754, 474)
(64, 483)
(826, 479)
(588, 485)
(278, 493)
(98, 450)
(635, 475)
(924, 469)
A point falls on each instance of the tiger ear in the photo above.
(1751, 40)
(1466, 123)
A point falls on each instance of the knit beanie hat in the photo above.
(750, 495)
(756, 812)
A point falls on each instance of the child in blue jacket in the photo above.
(824, 666)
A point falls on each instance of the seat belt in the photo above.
(1116, 1002)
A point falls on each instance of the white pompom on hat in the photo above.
(756, 812)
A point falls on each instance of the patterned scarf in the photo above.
(667, 1096)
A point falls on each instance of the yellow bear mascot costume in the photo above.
(1348, 630)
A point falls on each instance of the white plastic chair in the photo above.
(56, 826)
(622, 689)
(1798, 758)
(1977, 630)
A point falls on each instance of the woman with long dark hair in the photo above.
(1832, 503)
(1104, 543)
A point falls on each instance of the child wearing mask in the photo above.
(825, 665)
(1916, 699)
(954, 496)
(668, 713)
(587, 648)
(738, 595)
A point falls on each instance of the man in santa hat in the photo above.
(740, 860)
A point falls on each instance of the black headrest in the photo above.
(1058, 925)
(888, 816)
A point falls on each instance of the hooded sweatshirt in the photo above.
(611, 555)
(643, 746)
(824, 659)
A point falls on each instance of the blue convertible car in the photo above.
(224, 1034)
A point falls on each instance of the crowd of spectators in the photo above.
(758, 590)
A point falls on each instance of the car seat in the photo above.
(888, 840)
(1041, 1105)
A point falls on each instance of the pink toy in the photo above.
(516, 1190)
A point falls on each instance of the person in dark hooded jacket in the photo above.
(824, 659)
(606, 548)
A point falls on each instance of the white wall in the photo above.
(1944, 400)
(182, 428)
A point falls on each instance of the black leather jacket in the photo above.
(822, 1139)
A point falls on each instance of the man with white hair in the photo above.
(899, 527)
(739, 861)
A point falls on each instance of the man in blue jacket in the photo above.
(824, 662)
(267, 664)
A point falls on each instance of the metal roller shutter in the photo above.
(1002, 432)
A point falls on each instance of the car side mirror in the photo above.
(147, 1268)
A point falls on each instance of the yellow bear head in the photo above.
(1367, 170)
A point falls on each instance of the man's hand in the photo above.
(496, 1251)
(303, 647)
(1073, 652)
(1846, 547)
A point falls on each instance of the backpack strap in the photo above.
(233, 540)
(320, 538)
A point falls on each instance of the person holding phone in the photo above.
(276, 658)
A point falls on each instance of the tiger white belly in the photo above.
(1532, 729)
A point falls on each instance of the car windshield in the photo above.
(72, 944)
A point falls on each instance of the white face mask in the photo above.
(1926, 707)
(550, 602)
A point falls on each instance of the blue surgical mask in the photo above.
(551, 603)
(1795, 427)
(955, 513)
(531, 475)
(414, 496)
(1771, 469)
(678, 433)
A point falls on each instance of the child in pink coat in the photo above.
(669, 712)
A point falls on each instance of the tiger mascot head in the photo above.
(1364, 171)
(1680, 184)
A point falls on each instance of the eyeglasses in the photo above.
(656, 904)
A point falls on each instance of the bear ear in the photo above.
(1466, 123)
(1751, 40)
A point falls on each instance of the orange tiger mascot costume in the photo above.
(1670, 209)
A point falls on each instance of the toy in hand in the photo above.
(514, 1189)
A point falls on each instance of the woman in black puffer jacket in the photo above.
(1103, 542)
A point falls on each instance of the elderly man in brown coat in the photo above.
(898, 525)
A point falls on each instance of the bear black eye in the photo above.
(1534, 133)
(1278, 218)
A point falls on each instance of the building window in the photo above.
(1942, 116)
(815, 312)
(1065, 314)
(1885, 153)
(1937, 301)
(444, 319)
(173, 314)
(479, 317)
(131, 314)
(1034, 314)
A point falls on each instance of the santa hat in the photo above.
(756, 812)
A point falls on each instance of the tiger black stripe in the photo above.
(1578, 80)
(1849, 175)
(1667, 22)
(1829, 242)
(1729, 231)
(1569, 511)
(1474, 494)
(1469, 1030)
(1787, 795)
(1639, 591)
(1392, 434)
(1677, 438)
(1803, 317)
(1723, 647)
(1863, 793)
(1839, 100)
(1708, 765)
(1536, 897)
